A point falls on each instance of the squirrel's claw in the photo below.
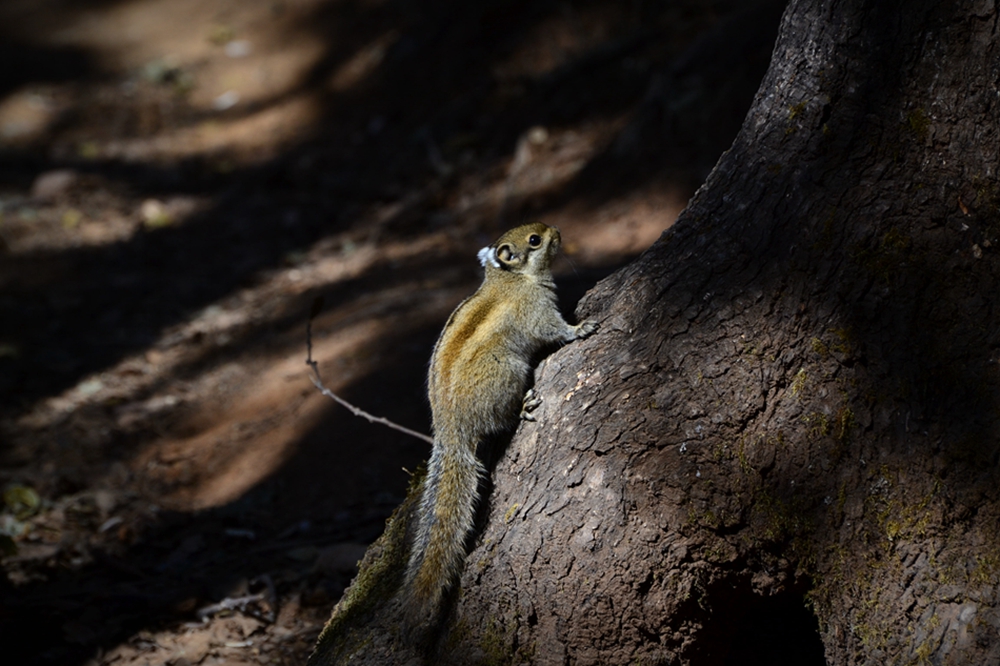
(530, 404)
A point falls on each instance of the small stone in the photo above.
(89, 387)
(154, 214)
(538, 135)
(52, 184)
(226, 100)
(238, 48)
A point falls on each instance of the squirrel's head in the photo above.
(525, 249)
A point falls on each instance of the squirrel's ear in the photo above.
(488, 256)
(505, 253)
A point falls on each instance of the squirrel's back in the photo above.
(478, 375)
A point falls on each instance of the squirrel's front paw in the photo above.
(586, 328)
(530, 404)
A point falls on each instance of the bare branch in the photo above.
(318, 382)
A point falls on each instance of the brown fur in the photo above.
(479, 371)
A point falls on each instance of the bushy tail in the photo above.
(446, 514)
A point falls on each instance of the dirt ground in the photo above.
(180, 179)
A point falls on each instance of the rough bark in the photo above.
(793, 400)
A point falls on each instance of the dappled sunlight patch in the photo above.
(67, 209)
(247, 433)
(190, 34)
(253, 137)
(153, 383)
(141, 382)
(26, 115)
(545, 160)
(619, 228)
(192, 80)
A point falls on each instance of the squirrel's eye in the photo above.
(534, 240)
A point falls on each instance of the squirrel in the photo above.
(479, 370)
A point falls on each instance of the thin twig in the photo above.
(230, 603)
(318, 382)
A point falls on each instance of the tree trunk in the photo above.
(783, 441)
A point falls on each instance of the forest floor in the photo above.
(180, 179)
